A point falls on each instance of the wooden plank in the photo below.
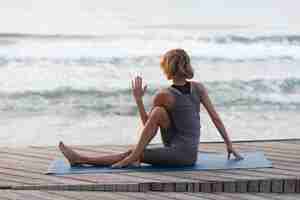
(13, 180)
(202, 176)
(269, 152)
(38, 195)
(286, 150)
(41, 177)
(279, 196)
(8, 182)
(241, 186)
(206, 187)
(218, 187)
(84, 187)
(285, 165)
(27, 195)
(84, 195)
(277, 185)
(261, 173)
(276, 172)
(289, 186)
(255, 147)
(23, 153)
(265, 186)
(152, 195)
(144, 187)
(181, 187)
(27, 171)
(253, 186)
(212, 196)
(245, 196)
(180, 195)
(26, 166)
(298, 186)
(230, 186)
(278, 145)
(148, 195)
(110, 178)
(8, 195)
(239, 174)
(137, 195)
(88, 178)
(18, 159)
(68, 195)
(158, 177)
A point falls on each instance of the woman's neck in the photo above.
(179, 81)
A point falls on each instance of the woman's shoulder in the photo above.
(163, 97)
(198, 86)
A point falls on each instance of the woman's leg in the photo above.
(75, 158)
(157, 118)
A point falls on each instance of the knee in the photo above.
(158, 113)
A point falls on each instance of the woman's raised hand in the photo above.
(138, 90)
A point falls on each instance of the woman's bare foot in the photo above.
(73, 157)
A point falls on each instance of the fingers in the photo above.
(228, 155)
(145, 88)
(235, 154)
(138, 82)
(238, 156)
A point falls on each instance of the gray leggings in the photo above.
(169, 156)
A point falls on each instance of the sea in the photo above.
(66, 67)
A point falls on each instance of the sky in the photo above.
(82, 16)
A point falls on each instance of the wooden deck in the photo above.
(75, 195)
(23, 169)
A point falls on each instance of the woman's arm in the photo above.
(138, 92)
(142, 111)
(205, 100)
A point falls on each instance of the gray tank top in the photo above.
(184, 130)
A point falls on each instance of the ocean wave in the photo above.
(266, 94)
(279, 39)
(287, 39)
(134, 60)
(45, 36)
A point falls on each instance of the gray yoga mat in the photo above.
(206, 161)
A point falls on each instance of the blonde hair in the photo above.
(172, 60)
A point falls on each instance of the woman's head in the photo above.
(176, 64)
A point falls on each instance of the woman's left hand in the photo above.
(231, 150)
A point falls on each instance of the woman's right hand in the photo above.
(138, 90)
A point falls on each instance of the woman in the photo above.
(175, 111)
